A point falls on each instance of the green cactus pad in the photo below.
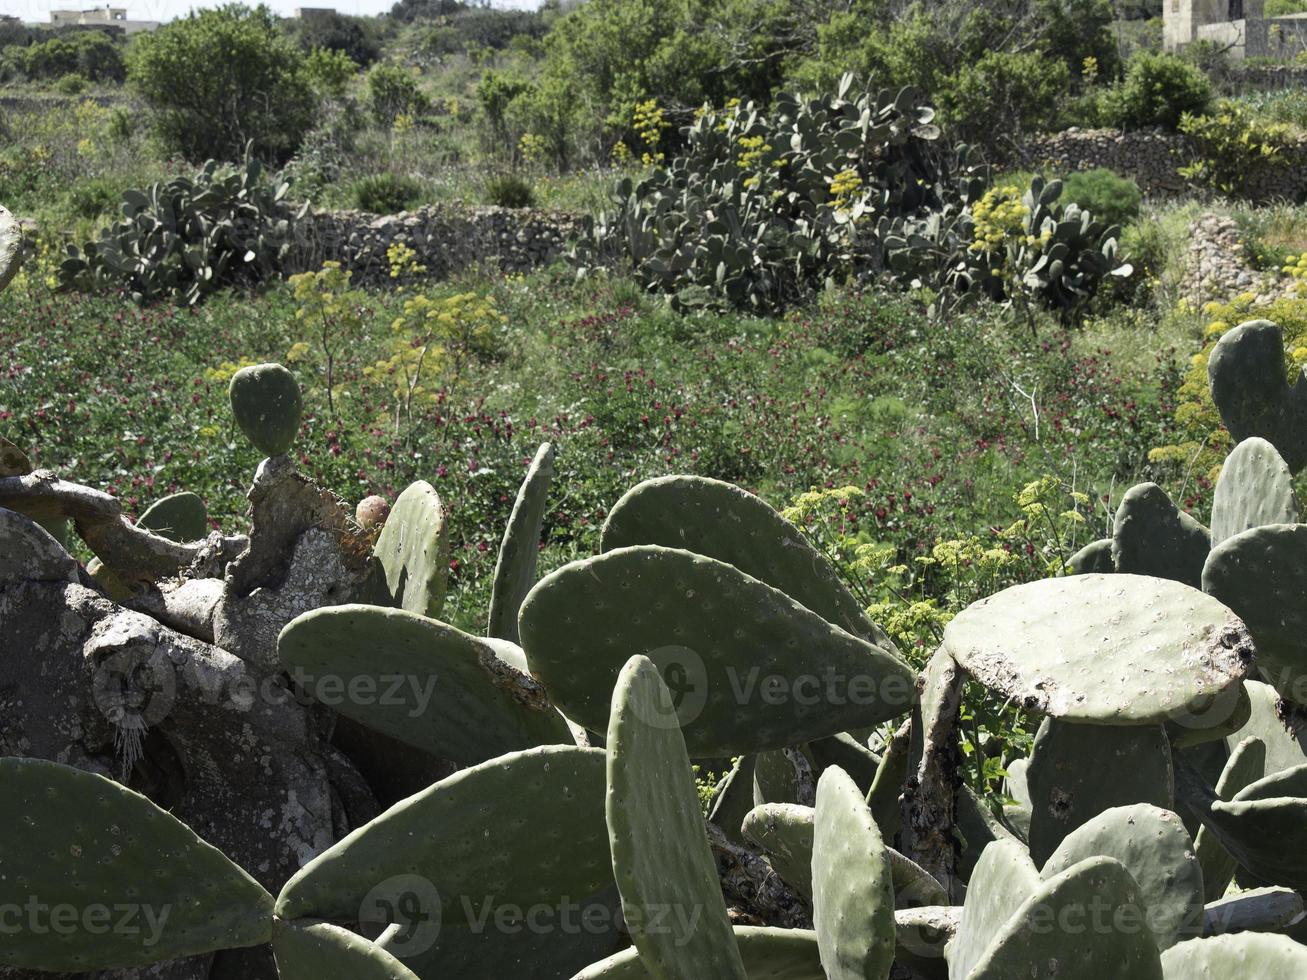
(852, 888)
(180, 517)
(666, 874)
(1155, 848)
(1077, 772)
(412, 554)
(1262, 575)
(13, 461)
(1246, 765)
(1216, 719)
(978, 827)
(11, 247)
(265, 399)
(313, 950)
(768, 954)
(1074, 648)
(1082, 924)
(135, 885)
(851, 755)
(1255, 910)
(784, 831)
(733, 799)
(515, 568)
(775, 779)
(722, 521)
(1247, 374)
(1003, 879)
(1255, 489)
(1249, 954)
(884, 797)
(1265, 829)
(1286, 746)
(1151, 536)
(416, 679)
(752, 668)
(523, 831)
(1093, 557)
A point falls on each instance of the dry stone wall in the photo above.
(1153, 160)
(446, 237)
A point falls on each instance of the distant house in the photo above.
(105, 16)
(315, 13)
(1239, 26)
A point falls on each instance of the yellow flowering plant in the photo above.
(333, 311)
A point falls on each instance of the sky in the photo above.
(39, 10)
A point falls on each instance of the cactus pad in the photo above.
(265, 399)
(1255, 489)
(11, 247)
(1093, 557)
(75, 841)
(722, 521)
(852, 889)
(768, 954)
(521, 831)
(667, 876)
(1076, 648)
(732, 799)
(1249, 954)
(312, 950)
(1262, 575)
(1246, 765)
(1265, 829)
(752, 668)
(1255, 910)
(413, 554)
(1077, 772)
(515, 568)
(1155, 848)
(418, 680)
(1247, 374)
(1284, 734)
(784, 831)
(13, 461)
(1151, 536)
(179, 517)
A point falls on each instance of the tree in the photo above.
(335, 32)
(220, 78)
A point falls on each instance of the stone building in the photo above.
(1239, 26)
(105, 16)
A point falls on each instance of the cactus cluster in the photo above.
(547, 765)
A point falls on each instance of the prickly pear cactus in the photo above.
(784, 831)
(722, 521)
(528, 829)
(412, 554)
(1155, 848)
(265, 399)
(725, 642)
(852, 889)
(732, 799)
(1151, 536)
(1262, 575)
(1071, 648)
(768, 954)
(1264, 827)
(1246, 765)
(179, 517)
(1255, 489)
(308, 950)
(661, 857)
(1078, 771)
(1249, 954)
(1093, 557)
(73, 839)
(1249, 386)
(425, 683)
(515, 568)
(11, 247)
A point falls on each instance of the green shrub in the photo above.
(387, 193)
(329, 71)
(1111, 198)
(92, 54)
(93, 198)
(1234, 148)
(509, 191)
(1158, 89)
(1283, 8)
(71, 84)
(219, 78)
(1004, 95)
(393, 92)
